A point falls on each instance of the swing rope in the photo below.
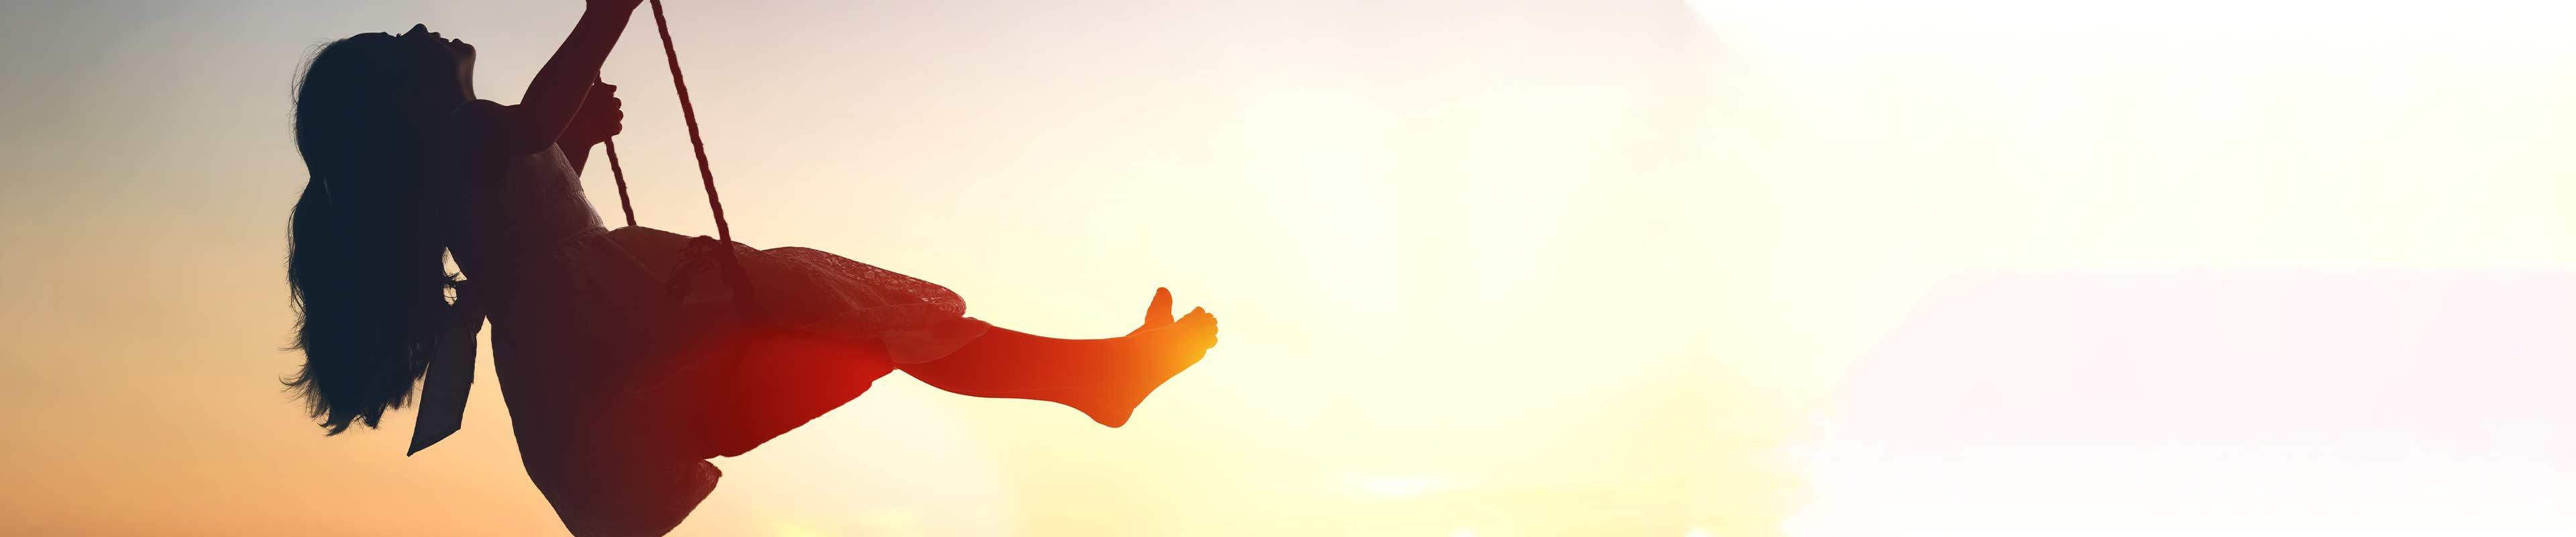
(689, 114)
(720, 250)
(619, 171)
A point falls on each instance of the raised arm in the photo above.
(555, 96)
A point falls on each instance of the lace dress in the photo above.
(618, 388)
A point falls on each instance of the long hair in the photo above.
(366, 276)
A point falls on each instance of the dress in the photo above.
(618, 388)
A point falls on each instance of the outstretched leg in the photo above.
(1103, 378)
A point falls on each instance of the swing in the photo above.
(752, 414)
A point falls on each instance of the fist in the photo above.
(601, 116)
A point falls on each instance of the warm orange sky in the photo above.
(1402, 213)
(1494, 268)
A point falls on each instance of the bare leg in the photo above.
(1103, 378)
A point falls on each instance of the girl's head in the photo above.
(366, 273)
(418, 73)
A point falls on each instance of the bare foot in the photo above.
(1159, 352)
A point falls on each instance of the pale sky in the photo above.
(1541, 267)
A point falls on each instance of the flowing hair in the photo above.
(366, 276)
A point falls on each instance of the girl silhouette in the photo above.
(623, 371)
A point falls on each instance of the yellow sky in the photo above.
(1486, 268)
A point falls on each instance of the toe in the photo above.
(1159, 312)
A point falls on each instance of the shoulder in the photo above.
(475, 112)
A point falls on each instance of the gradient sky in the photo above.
(1538, 267)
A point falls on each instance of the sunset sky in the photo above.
(1493, 268)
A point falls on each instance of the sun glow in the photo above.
(1550, 267)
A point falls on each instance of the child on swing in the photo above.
(623, 370)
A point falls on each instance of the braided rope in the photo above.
(614, 169)
(689, 114)
(722, 249)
